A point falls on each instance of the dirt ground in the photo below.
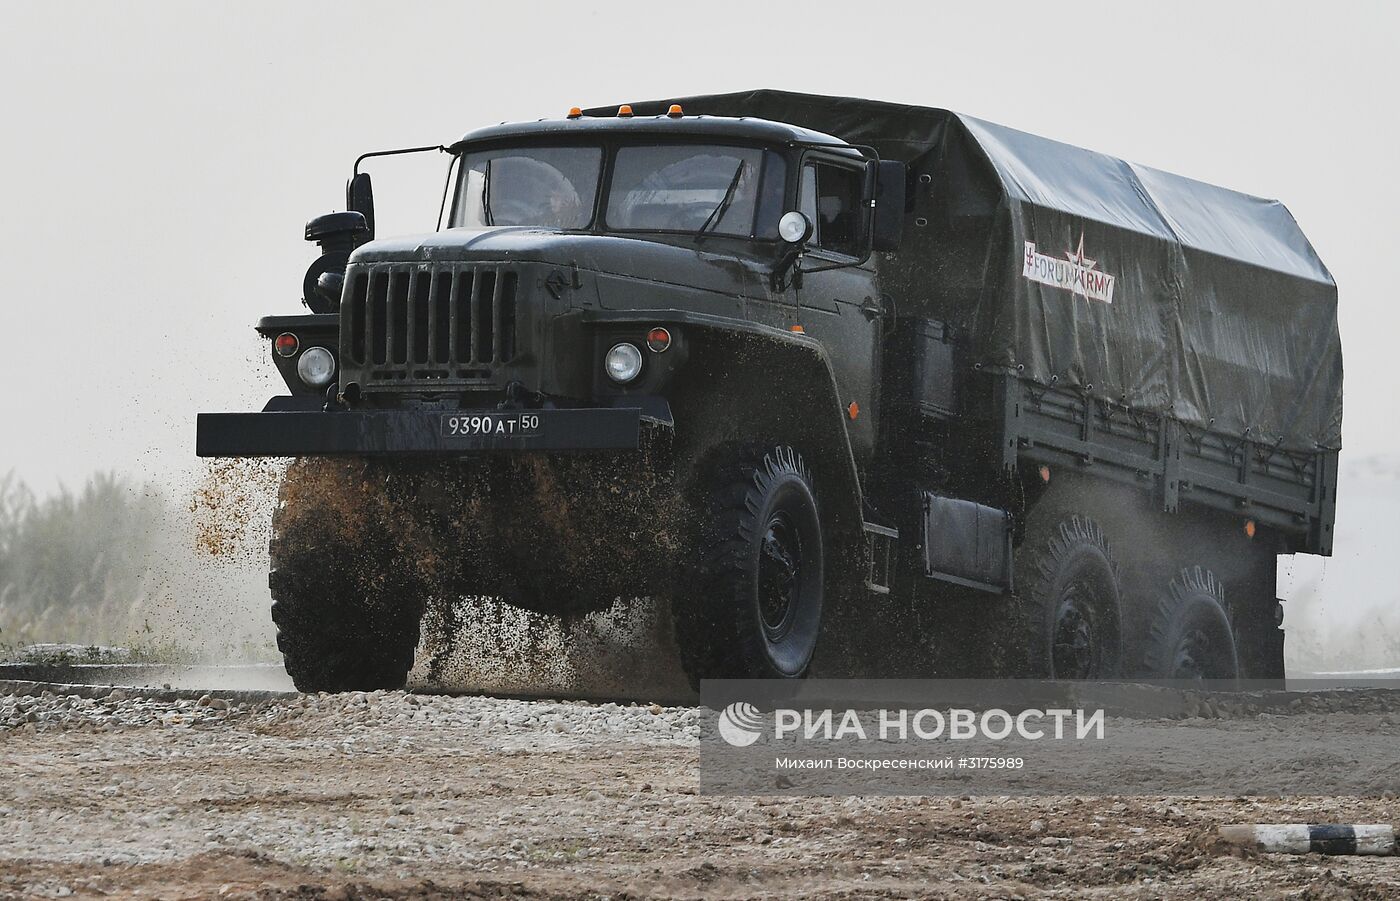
(403, 796)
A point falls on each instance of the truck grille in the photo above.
(445, 322)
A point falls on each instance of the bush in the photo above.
(78, 567)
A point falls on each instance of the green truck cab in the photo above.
(809, 369)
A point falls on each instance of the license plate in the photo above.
(490, 425)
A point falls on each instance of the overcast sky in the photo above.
(161, 159)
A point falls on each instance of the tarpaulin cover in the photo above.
(1085, 271)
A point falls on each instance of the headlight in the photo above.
(623, 362)
(316, 367)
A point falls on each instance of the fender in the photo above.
(746, 381)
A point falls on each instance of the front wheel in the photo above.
(755, 611)
(344, 599)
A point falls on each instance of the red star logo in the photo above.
(1080, 262)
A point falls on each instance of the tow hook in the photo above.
(334, 401)
(342, 400)
(517, 397)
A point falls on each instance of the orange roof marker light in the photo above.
(625, 111)
(853, 410)
(1249, 528)
(575, 113)
(675, 112)
(797, 330)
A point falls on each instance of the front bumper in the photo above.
(303, 433)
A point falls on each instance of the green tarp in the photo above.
(1081, 270)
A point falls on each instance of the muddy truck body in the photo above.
(856, 388)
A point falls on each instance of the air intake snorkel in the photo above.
(337, 234)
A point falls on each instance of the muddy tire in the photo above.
(1068, 583)
(755, 610)
(346, 609)
(1190, 636)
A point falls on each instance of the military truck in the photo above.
(808, 368)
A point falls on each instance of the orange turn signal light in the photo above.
(658, 340)
(675, 112)
(853, 410)
(1045, 474)
(575, 112)
(1249, 528)
(624, 111)
(797, 330)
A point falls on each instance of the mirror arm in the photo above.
(787, 263)
(851, 264)
(373, 153)
(357, 177)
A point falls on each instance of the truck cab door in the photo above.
(838, 301)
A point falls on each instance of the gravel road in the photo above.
(391, 795)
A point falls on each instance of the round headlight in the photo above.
(316, 367)
(794, 227)
(623, 362)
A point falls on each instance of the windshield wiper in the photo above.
(486, 195)
(718, 213)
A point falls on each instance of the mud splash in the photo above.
(486, 645)
(426, 529)
(231, 508)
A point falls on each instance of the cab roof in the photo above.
(742, 128)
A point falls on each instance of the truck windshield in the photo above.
(684, 188)
(689, 188)
(553, 187)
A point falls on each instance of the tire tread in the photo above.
(712, 643)
(1050, 555)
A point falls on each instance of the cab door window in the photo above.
(829, 196)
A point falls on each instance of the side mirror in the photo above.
(887, 223)
(795, 228)
(359, 196)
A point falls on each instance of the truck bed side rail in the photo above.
(1290, 490)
